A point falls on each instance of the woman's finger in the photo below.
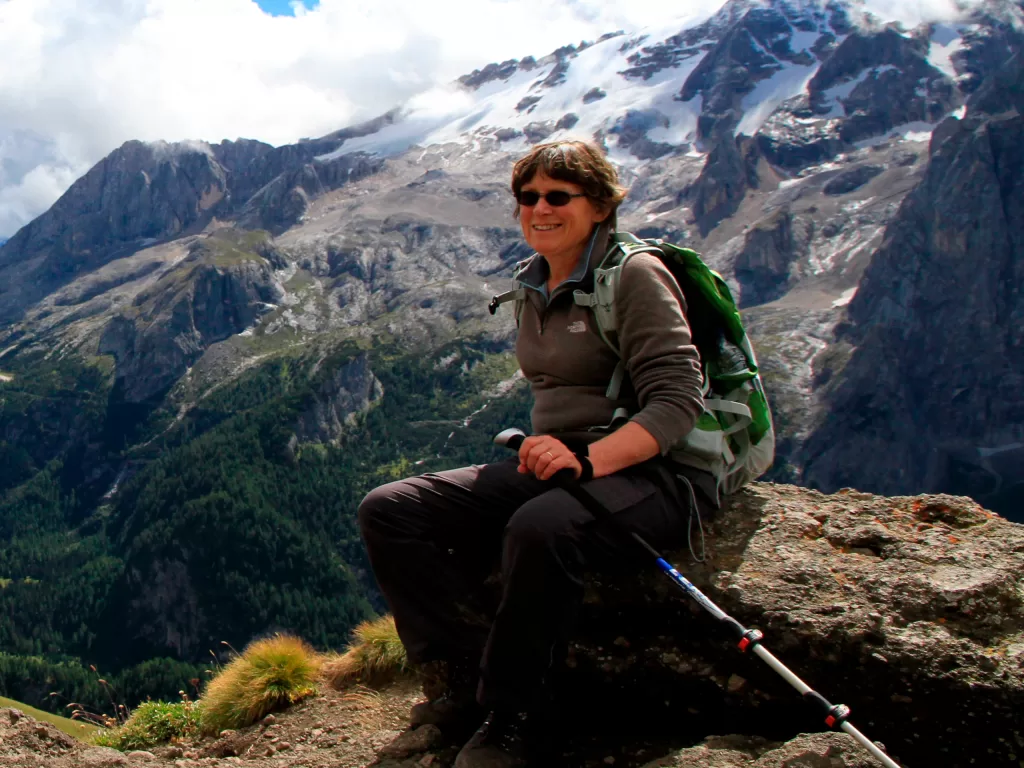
(544, 458)
(567, 461)
(542, 451)
(527, 450)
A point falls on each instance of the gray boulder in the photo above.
(910, 610)
(827, 750)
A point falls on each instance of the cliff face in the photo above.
(931, 396)
(141, 192)
(218, 291)
(347, 392)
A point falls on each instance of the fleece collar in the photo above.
(535, 276)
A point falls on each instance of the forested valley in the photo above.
(142, 545)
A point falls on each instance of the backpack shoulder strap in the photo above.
(602, 301)
(518, 292)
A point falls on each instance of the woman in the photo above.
(433, 539)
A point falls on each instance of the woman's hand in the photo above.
(544, 455)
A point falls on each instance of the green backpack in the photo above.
(734, 438)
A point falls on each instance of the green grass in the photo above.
(80, 731)
(301, 280)
(153, 723)
(227, 248)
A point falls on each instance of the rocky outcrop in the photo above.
(909, 610)
(632, 128)
(893, 84)
(157, 189)
(734, 751)
(762, 267)
(729, 171)
(851, 180)
(218, 291)
(937, 325)
(139, 192)
(871, 82)
(890, 605)
(349, 391)
(282, 202)
(993, 30)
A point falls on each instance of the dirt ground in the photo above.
(331, 730)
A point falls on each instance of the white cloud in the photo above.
(914, 12)
(77, 79)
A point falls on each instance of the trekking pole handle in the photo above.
(511, 438)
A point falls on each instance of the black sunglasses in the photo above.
(555, 199)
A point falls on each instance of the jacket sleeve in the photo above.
(657, 347)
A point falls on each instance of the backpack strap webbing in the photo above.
(518, 294)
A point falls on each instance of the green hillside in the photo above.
(71, 727)
(222, 528)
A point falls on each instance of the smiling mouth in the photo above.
(546, 227)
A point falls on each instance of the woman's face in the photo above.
(558, 232)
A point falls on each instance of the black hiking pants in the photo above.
(434, 540)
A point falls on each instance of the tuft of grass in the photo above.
(376, 656)
(153, 723)
(271, 674)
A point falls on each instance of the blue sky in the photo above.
(282, 7)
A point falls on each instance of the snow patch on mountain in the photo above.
(769, 94)
(946, 40)
(655, 92)
(526, 107)
(917, 130)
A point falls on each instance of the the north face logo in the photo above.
(578, 327)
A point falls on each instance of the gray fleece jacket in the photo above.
(569, 366)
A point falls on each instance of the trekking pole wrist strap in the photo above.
(587, 468)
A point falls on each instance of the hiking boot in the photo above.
(499, 743)
(455, 711)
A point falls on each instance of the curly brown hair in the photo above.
(578, 162)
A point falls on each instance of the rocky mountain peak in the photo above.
(166, 185)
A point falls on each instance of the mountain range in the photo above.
(209, 351)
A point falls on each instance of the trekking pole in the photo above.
(748, 640)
